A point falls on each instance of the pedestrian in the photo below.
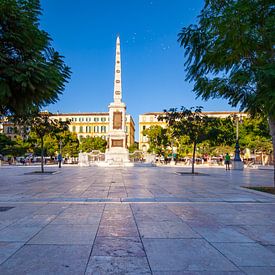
(227, 161)
(59, 158)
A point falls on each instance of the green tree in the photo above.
(32, 74)
(158, 139)
(6, 145)
(70, 144)
(193, 124)
(42, 125)
(230, 54)
(254, 134)
(133, 147)
(93, 143)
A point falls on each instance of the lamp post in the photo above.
(60, 147)
(237, 162)
(172, 162)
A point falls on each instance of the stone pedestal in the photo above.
(117, 156)
(237, 165)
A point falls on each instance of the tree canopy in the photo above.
(42, 126)
(32, 73)
(157, 138)
(230, 54)
(193, 124)
(89, 144)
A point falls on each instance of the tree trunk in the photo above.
(193, 158)
(42, 155)
(271, 122)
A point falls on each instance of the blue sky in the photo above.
(153, 76)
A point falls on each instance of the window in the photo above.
(103, 129)
(96, 129)
(126, 129)
(143, 128)
(79, 119)
(81, 129)
(144, 139)
(96, 119)
(103, 119)
(10, 130)
(88, 129)
(74, 129)
(86, 119)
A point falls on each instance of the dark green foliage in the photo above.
(6, 145)
(70, 144)
(230, 53)
(42, 126)
(133, 147)
(89, 144)
(193, 124)
(158, 139)
(32, 74)
(254, 134)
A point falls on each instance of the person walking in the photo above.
(59, 158)
(227, 161)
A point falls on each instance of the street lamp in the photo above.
(172, 162)
(60, 146)
(237, 162)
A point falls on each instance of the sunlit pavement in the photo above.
(135, 221)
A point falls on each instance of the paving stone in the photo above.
(263, 234)
(118, 247)
(166, 230)
(68, 207)
(198, 273)
(7, 249)
(117, 231)
(247, 254)
(51, 209)
(259, 270)
(47, 259)
(65, 234)
(15, 233)
(185, 255)
(99, 265)
(35, 220)
(222, 234)
(67, 218)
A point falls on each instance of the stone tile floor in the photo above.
(136, 221)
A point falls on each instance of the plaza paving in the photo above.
(135, 221)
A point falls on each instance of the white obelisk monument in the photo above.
(117, 152)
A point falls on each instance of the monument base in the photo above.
(117, 156)
(237, 165)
